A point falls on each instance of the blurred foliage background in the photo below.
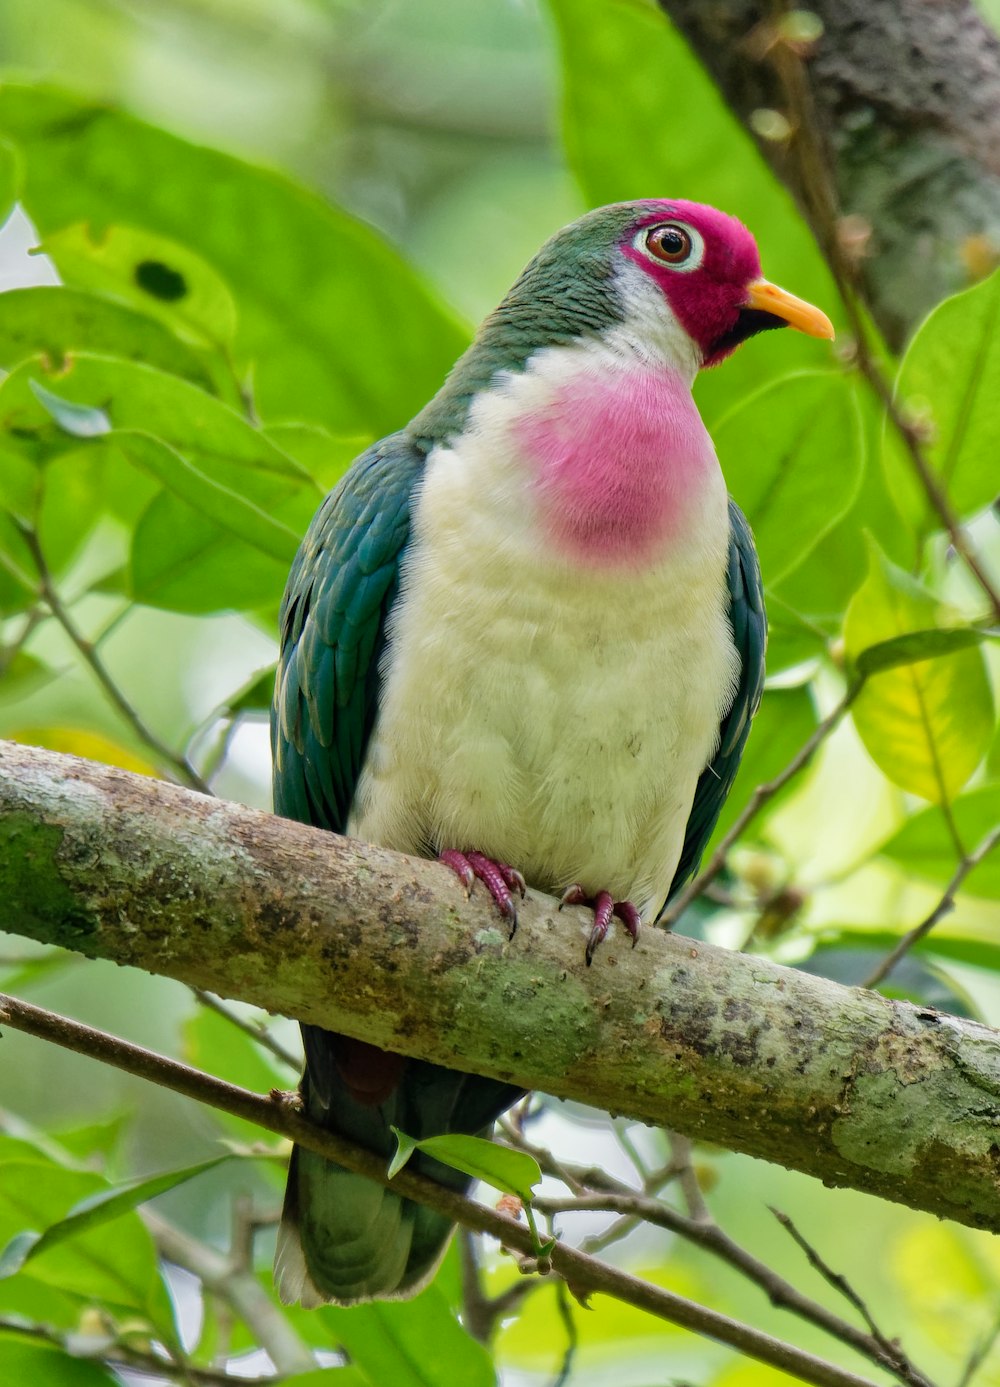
(394, 165)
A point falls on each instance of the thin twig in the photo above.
(944, 906)
(135, 1360)
(761, 796)
(280, 1113)
(565, 1310)
(977, 1357)
(843, 1287)
(707, 1234)
(239, 1287)
(179, 763)
(256, 1032)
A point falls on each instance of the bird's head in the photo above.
(677, 276)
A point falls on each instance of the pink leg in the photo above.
(498, 878)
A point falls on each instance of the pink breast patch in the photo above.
(620, 454)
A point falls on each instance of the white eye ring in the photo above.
(692, 257)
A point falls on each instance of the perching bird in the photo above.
(524, 634)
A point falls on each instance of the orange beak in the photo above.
(795, 312)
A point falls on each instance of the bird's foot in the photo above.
(499, 879)
(605, 908)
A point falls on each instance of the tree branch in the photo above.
(843, 1084)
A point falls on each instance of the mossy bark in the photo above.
(898, 1100)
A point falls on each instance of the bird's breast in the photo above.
(544, 705)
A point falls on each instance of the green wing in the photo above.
(749, 624)
(333, 628)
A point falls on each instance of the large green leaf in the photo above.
(10, 178)
(927, 725)
(24, 1360)
(925, 848)
(120, 1271)
(223, 507)
(94, 1211)
(335, 326)
(792, 456)
(150, 273)
(411, 1343)
(50, 320)
(514, 1172)
(785, 719)
(948, 380)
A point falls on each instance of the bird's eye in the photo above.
(673, 243)
(670, 243)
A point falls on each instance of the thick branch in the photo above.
(907, 99)
(901, 1101)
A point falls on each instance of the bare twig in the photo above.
(121, 1355)
(755, 804)
(843, 1287)
(706, 1233)
(944, 906)
(278, 1113)
(978, 1355)
(180, 764)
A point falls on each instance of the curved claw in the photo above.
(498, 878)
(605, 907)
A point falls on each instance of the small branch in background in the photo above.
(179, 764)
(256, 1031)
(977, 1357)
(818, 189)
(565, 1309)
(761, 796)
(278, 1113)
(944, 906)
(238, 1287)
(481, 1314)
(134, 1360)
(842, 1286)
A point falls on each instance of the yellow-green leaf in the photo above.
(928, 724)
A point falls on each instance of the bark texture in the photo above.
(841, 1083)
(906, 97)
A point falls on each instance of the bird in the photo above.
(524, 635)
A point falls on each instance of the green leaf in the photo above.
(514, 1172)
(10, 179)
(948, 381)
(346, 1376)
(256, 696)
(776, 448)
(410, 1343)
(924, 846)
(122, 1271)
(225, 508)
(916, 646)
(79, 421)
(928, 725)
(24, 1360)
(53, 321)
(336, 327)
(785, 719)
(149, 273)
(324, 456)
(94, 1211)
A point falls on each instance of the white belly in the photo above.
(551, 716)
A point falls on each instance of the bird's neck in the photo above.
(608, 452)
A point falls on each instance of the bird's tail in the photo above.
(346, 1239)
